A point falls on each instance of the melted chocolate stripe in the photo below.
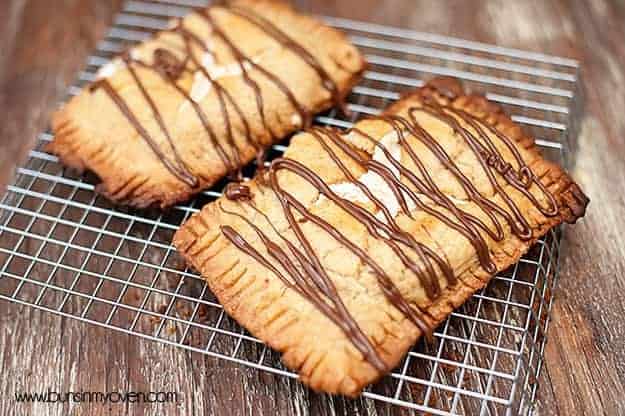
(387, 286)
(282, 38)
(473, 194)
(190, 179)
(231, 162)
(199, 112)
(522, 179)
(323, 295)
(431, 284)
(494, 160)
(518, 224)
(431, 191)
(287, 200)
(221, 94)
(132, 119)
(159, 119)
(241, 59)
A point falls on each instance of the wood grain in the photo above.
(43, 44)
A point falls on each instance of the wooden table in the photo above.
(42, 45)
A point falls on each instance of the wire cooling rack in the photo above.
(66, 250)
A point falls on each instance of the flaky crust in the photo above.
(310, 343)
(91, 133)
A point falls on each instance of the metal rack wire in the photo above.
(65, 250)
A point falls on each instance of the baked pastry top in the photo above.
(354, 244)
(198, 101)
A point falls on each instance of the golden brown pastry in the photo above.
(356, 243)
(196, 102)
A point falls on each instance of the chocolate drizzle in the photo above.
(269, 28)
(301, 268)
(177, 167)
(238, 192)
(170, 67)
